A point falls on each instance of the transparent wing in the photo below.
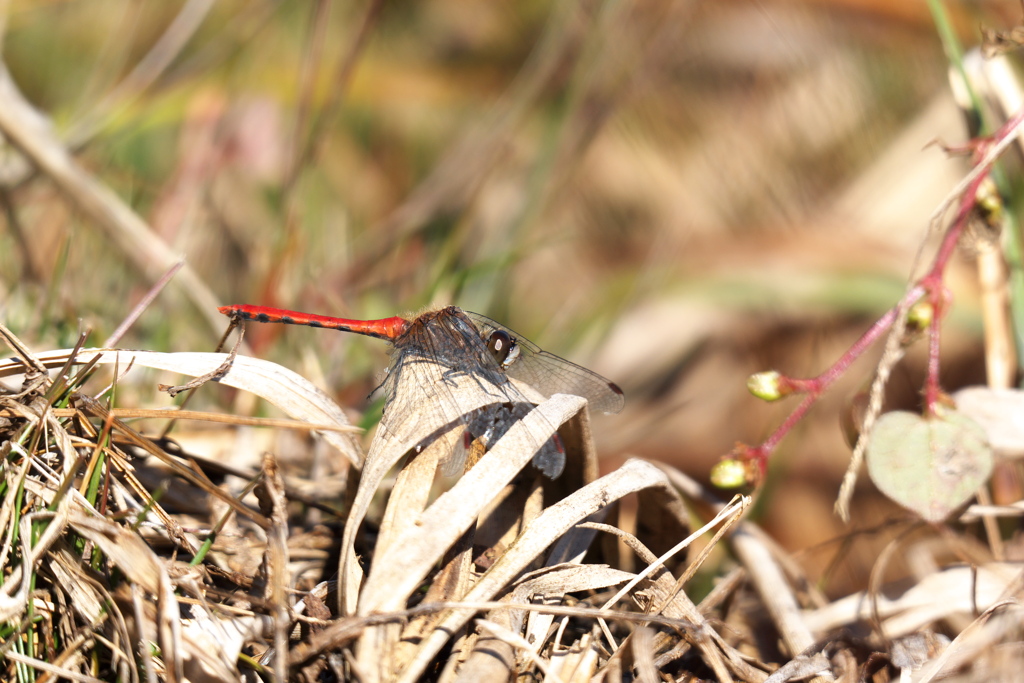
(549, 374)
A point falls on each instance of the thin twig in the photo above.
(143, 304)
(214, 374)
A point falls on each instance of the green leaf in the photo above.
(932, 465)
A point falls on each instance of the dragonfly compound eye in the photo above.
(503, 347)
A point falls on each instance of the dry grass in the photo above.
(676, 194)
(504, 571)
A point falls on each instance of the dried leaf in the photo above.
(273, 504)
(801, 667)
(955, 590)
(214, 643)
(999, 413)
(13, 603)
(643, 655)
(129, 552)
(428, 404)
(289, 391)
(552, 584)
(397, 572)
(912, 651)
(633, 476)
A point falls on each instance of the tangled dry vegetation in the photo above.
(128, 558)
(190, 545)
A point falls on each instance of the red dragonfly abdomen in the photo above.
(385, 328)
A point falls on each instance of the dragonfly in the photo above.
(469, 347)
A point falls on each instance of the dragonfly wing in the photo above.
(549, 374)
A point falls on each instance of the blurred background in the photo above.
(674, 194)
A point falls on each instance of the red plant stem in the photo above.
(769, 445)
(933, 279)
(816, 387)
(861, 345)
(931, 385)
(931, 285)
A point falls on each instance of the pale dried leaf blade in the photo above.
(581, 659)
(930, 466)
(635, 475)
(62, 440)
(408, 498)
(914, 650)
(773, 587)
(490, 659)
(293, 394)
(568, 578)
(14, 595)
(801, 667)
(137, 561)
(273, 502)
(412, 489)
(999, 412)
(939, 595)
(214, 644)
(643, 655)
(397, 573)
(69, 573)
(427, 403)
(552, 584)
(518, 642)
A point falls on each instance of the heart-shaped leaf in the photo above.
(929, 465)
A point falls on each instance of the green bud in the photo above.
(920, 315)
(765, 385)
(728, 474)
(989, 202)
